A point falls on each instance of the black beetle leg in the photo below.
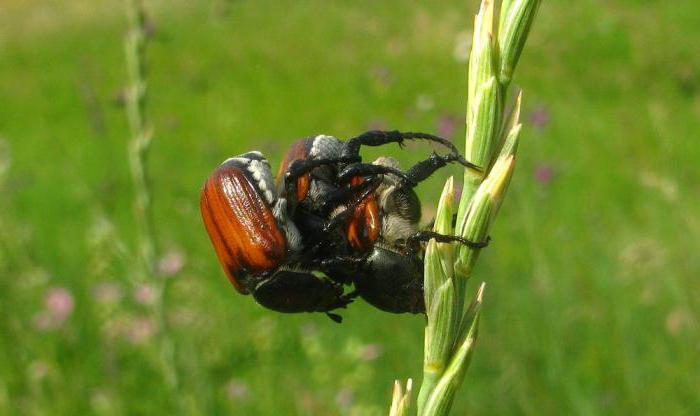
(411, 177)
(413, 242)
(343, 217)
(349, 193)
(360, 192)
(344, 300)
(425, 168)
(301, 167)
(350, 262)
(379, 137)
(335, 317)
(348, 265)
(368, 169)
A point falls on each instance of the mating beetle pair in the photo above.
(327, 221)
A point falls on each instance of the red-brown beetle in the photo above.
(256, 244)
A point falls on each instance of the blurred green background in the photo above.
(592, 277)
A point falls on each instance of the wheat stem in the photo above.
(491, 142)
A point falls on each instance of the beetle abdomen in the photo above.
(392, 282)
(240, 223)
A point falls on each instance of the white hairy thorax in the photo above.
(325, 147)
(259, 169)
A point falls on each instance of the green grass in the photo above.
(592, 278)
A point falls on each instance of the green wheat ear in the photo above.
(491, 142)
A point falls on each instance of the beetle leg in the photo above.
(343, 216)
(369, 169)
(335, 317)
(353, 193)
(301, 167)
(347, 298)
(411, 177)
(342, 269)
(413, 242)
(380, 137)
(359, 193)
(354, 262)
(425, 168)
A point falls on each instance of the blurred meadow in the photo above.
(593, 275)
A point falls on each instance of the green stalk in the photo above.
(135, 45)
(138, 151)
(491, 143)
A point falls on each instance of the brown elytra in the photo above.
(240, 224)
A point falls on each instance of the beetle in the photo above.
(255, 243)
(318, 174)
(285, 266)
(386, 267)
(383, 254)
